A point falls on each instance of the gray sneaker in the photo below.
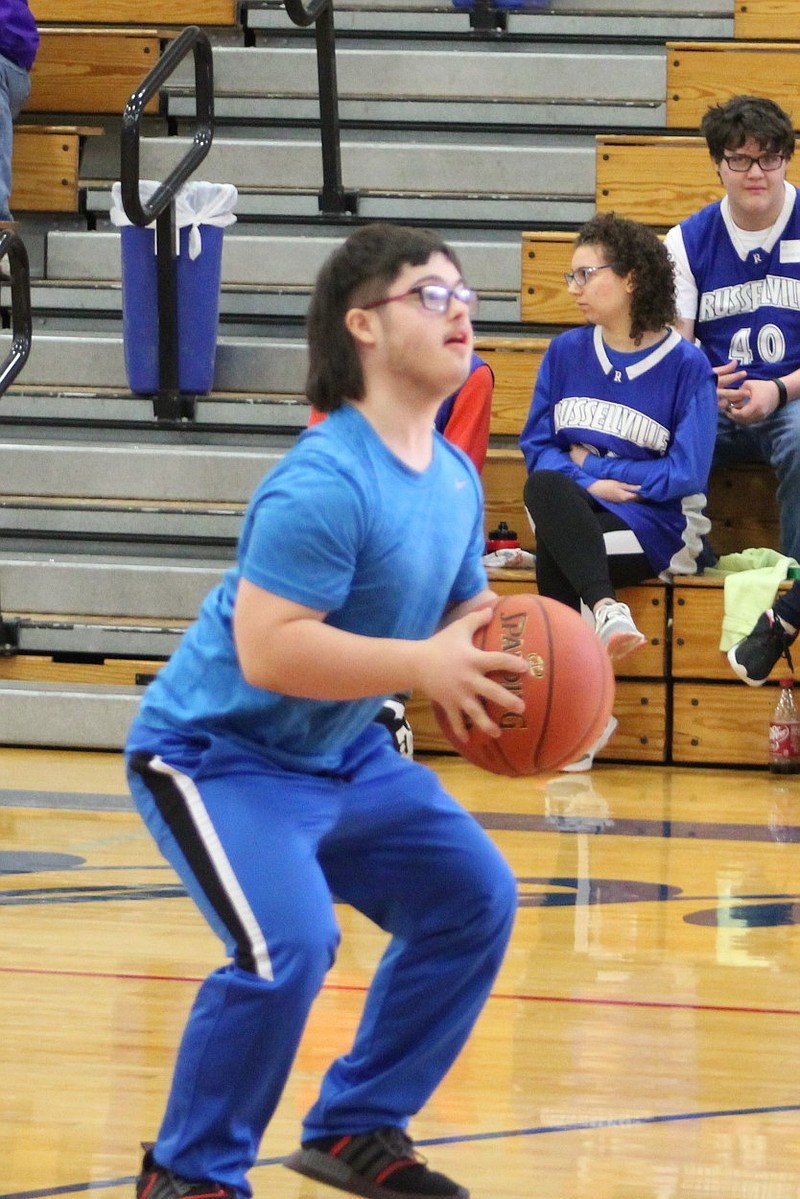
(614, 626)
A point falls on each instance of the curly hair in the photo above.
(631, 248)
(359, 272)
(728, 126)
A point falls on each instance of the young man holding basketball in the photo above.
(259, 769)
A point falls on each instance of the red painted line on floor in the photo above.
(497, 995)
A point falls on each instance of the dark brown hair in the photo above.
(728, 126)
(359, 272)
(634, 249)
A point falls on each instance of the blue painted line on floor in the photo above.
(580, 1126)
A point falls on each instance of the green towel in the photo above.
(752, 578)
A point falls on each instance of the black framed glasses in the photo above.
(435, 297)
(582, 274)
(741, 163)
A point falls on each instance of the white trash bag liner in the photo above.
(196, 203)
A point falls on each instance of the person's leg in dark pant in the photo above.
(571, 543)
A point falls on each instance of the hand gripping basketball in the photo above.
(568, 689)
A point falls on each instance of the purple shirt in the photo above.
(19, 37)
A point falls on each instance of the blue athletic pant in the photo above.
(775, 440)
(262, 851)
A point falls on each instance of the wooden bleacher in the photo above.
(90, 69)
(767, 19)
(136, 12)
(715, 717)
(45, 167)
(87, 71)
(515, 362)
(659, 179)
(700, 74)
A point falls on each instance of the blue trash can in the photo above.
(198, 287)
(198, 280)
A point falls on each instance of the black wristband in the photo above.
(783, 395)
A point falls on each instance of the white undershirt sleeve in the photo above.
(686, 294)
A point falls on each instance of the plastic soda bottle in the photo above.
(784, 732)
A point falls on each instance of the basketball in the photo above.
(568, 689)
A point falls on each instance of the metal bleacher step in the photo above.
(500, 83)
(264, 274)
(127, 526)
(64, 616)
(72, 359)
(84, 716)
(562, 18)
(105, 585)
(129, 497)
(439, 177)
(68, 635)
(122, 470)
(25, 407)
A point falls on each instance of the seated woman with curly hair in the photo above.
(619, 439)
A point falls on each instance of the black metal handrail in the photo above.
(333, 199)
(169, 404)
(13, 247)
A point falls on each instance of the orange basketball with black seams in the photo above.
(568, 689)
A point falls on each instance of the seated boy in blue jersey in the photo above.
(619, 438)
(737, 268)
(260, 771)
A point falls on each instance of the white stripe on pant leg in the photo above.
(230, 883)
(621, 541)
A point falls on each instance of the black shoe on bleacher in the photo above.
(754, 658)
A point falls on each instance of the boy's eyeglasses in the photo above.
(742, 163)
(582, 274)
(435, 297)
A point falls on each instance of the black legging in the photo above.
(572, 560)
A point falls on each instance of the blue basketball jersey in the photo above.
(648, 418)
(748, 308)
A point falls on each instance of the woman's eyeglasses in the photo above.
(582, 274)
(434, 297)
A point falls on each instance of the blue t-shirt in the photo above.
(647, 417)
(340, 525)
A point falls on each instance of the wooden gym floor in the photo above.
(641, 1042)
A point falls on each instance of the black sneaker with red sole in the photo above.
(155, 1182)
(379, 1165)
